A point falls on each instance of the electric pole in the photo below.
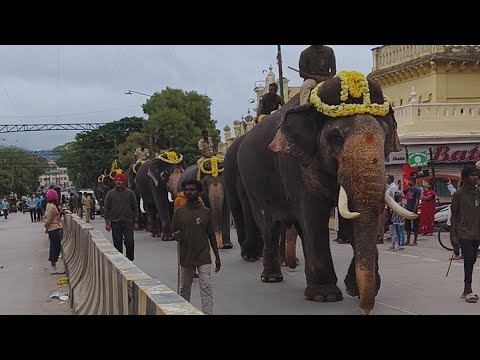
(280, 71)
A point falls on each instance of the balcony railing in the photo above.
(439, 118)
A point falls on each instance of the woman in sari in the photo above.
(428, 210)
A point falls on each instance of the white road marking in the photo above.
(429, 259)
(412, 256)
(397, 308)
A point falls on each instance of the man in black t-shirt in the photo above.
(269, 102)
(412, 194)
(193, 227)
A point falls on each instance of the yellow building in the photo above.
(435, 91)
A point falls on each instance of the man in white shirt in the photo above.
(206, 147)
(141, 153)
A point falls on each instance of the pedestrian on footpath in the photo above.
(53, 227)
(465, 229)
(193, 227)
(121, 216)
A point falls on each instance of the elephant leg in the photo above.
(271, 255)
(319, 270)
(153, 219)
(250, 246)
(351, 279)
(283, 235)
(226, 226)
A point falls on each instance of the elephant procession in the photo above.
(281, 180)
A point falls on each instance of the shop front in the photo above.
(444, 161)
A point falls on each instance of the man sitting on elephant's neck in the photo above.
(141, 153)
(161, 143)
(317, 63)
(269, 102)
(206, 147)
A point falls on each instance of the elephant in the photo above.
(130, 175)
(293, 166)
(248, 233)
(213, 197)
(155, 179)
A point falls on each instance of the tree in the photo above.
(127, 149)
(93, 152)
(183, 115)
(19, 171)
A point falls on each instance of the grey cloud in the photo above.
(95, 78)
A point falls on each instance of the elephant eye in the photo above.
(336, 137)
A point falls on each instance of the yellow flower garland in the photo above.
(170, 157)
(214, 163)
(355, 84)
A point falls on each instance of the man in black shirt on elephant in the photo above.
(269, 102)
(317, 63)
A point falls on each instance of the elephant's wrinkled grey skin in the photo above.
(313, 155)
(213, 197)
(130, 175)
(154, 180)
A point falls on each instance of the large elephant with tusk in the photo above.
(299, 162)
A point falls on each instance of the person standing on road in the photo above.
(412, 194)
(121, 216)
(31, 208)
(465, 229)
(193, 227)
(53, 226)
(87, 204)
(5, 207)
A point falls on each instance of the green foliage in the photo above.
(183, 115)
(127, 149)
(19, 171)
(93, 152)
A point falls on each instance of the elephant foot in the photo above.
(352, 288)
(322, 293)
(168, 238)
(155, 235)
(250, 258)
(271, 276)
(228, 245)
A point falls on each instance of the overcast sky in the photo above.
(78, 84)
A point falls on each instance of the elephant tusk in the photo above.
(170, 197)
(343, 206)
(141, 206)
(398, 209)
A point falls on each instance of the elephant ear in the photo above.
(158, 172)
(296, 133)
(392, 142)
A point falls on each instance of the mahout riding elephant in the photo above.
(294, 165)
(154, 180)
(130, 175)
(213, 197)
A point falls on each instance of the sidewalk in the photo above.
(25, 280)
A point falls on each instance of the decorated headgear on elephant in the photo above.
(341, 139)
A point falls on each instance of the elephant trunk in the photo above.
(216, 200)
(362, 175)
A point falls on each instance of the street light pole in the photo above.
(131, 92)
(280, 70)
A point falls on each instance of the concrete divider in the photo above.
(104, 282)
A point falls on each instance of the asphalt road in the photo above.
(413, 280)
